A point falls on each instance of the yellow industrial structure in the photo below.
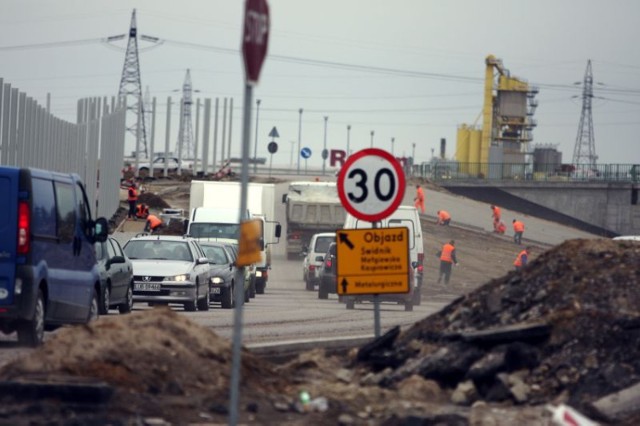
(507, 122)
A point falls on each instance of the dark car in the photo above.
(327, 282)
(222, 259)
(116, 277)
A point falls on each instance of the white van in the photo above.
(314, 256)
(406, 216)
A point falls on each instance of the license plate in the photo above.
(147, 287)
(215, 290)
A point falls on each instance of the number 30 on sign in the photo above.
(371, 184)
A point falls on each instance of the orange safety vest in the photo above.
(420, 195)
(518, 261)
(154, 222)
(444, 215)
(518, 226)
(496, 213)
(133, 194)
(445, 256)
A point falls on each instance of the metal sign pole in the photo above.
(376, 303)
(270, 164)
(239, 290)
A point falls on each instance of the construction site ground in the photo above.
(563, 331)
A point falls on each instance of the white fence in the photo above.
(93, 147)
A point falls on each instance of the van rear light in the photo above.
(312, 268)
(420, 268)
(328, 263)
(24, 228)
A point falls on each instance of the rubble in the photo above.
(567, 326)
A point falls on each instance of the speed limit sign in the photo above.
(371, 184)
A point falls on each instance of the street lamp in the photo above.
(348, 131)
(413, 157)
(299, 137)
(324, 148)
(255, 146)
(372, 139)
(392, 145)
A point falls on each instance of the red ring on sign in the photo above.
(401, 184)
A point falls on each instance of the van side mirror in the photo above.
(278, 230)
(100, 230)
(414, 265)
(284, 198)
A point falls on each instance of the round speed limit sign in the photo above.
(371, 184)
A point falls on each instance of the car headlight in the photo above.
(258, 274)
(178, 278)
(217, 280)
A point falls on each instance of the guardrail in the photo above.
(482, 172)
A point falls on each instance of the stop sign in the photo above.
(255, 38)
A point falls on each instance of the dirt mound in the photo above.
(567, 327)
(159, 363)
(152, 200)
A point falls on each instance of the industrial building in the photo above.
(499, 148)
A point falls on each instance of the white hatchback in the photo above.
(313, 257)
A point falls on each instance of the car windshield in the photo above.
(158, 250)
(215, 254)
(214, 230)
(322, 244)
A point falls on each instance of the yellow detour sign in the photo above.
(249, 244)
(372, 261)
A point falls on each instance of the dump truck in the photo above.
(311, 207)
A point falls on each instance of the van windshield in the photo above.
(214, 230)
(322, 244)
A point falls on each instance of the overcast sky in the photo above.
(444, 44)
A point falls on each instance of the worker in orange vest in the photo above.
(153, 224)
(496, 215)
(443, 217)
(518, 230)
(522, 258)
(142, 211)
(132, 198)
(447, 259)
(418, 201)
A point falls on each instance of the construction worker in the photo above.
(142, 211)
(153, 224)
(496, 215)
(447, 258)
(132, 198)
(518, 230)
(522, 258)
(443, 217)
(418, 201)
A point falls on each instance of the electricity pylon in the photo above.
(185, 138)
(584, 152)
(131, 84)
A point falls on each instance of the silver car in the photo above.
(169, 269)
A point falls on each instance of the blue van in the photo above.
(48, 271)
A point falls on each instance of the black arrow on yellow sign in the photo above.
(344, 285)
(344, 238)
